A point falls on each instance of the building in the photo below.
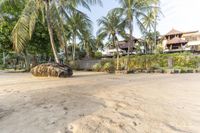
(112, 52)
(177, 41)
(193, 41)
(123, 45)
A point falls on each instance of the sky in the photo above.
(183, 15)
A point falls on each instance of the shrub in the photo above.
(122, 65)
(183, 62)
(98, 55)
(97, 67)
(104, 61)
(109, 67)
(74, 65)
(145, 62)
(81, 54)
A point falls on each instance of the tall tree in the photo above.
(77, 24)
(88, 42)
(52, 11)
(111, 26)
(149, 25)
(8, 17)
(133, 10)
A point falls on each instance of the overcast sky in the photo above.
(183, 15)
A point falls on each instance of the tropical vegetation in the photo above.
(112, 26)
(153, 63)
(33, 32)
(54, 15)
(133, 11)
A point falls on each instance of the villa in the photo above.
(123, 45)
(123, 48)
(177, 41)
(137, 43)
(193, 41)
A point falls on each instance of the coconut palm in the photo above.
(148, 22)
(133, 10)
(88, 42)
(149, 25)
(77, 23)
(53, 12)
(111, 26)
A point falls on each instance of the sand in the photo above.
(100, 103)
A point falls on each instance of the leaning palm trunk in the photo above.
(52, 69)
(51, 33)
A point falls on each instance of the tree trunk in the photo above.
(130, 43)
(4, 59)
(117, 56)
(74, 47)
(27, 61)
(51, 32)
(66, 51)
(117, 47)
(155, 32)
(87, 48)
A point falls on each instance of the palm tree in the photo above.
(53, 11)
(76, 24)
(88, 42)
(133, 10)
(149, 25)
(111, 26)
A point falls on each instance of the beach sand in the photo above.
(100, 103)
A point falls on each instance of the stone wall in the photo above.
(87, 64)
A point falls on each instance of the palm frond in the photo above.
(24, 28)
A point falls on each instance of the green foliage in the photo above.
(186, 60)
(103, 62)
(79, 53)
(149, 40)
(159, 49)
(105, 66)
(156, 61)
(5, 38)
(74, 65)
(111, 26)
(40, 41)
(79, 26)
(184, 69)
(98, 55)
(24, 15)
(109, 67)
(9, 16)
(97, 67)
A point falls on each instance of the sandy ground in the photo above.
(100, 103)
